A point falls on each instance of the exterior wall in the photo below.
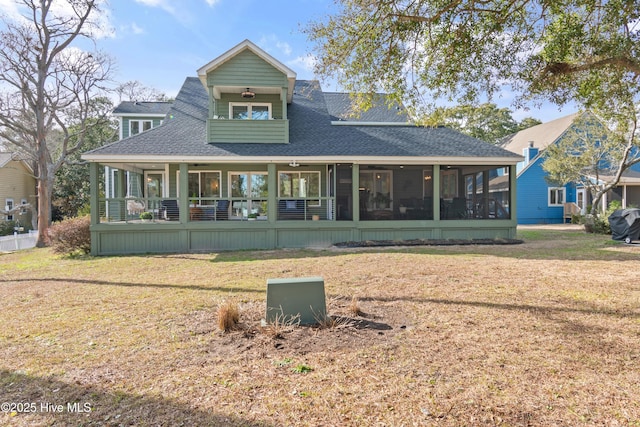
(115, 239)
(17, 183)
(246, 69)
(184, 235)
(533, 197)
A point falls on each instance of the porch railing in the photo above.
(166, 210)
(138, 209)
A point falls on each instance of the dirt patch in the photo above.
(339, 332)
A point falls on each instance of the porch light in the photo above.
(293, 164)
(248, 94)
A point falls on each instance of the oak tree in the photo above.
(48, 85)
(466, 51)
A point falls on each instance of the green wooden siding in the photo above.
(112, 239)
(246, 69)
(254, 131)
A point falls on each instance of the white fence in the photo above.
(18, 241)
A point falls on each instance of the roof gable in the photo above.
(6, 158)
(542, 135)
(241, 50)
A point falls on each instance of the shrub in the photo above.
(8, 227)
(228, 316)
(146, 215)
(71, 236)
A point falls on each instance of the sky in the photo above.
(161, 42)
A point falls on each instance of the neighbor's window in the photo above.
(556, 196)
(137, 126)
(8, 206)
(300, 184)
(249, 111)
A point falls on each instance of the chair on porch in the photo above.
(135, 207)
(222, 210)
(291, 209)
(170, 210)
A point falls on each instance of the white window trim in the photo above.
(309, 198)
(140, 125)
(250, 200)
(249, 106)
(8, 205)
(199, 172)
(145, 190)
(561, 202)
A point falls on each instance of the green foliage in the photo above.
(146, 215)
(71, 236)
(600, 224)
(302, 368)
(7, 227)
(71, 188)
(466, 51)
(589, 154)
(486, 122)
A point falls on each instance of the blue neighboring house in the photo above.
(539, 202)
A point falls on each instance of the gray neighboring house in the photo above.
(248, 157)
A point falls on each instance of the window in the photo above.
(137, 126)
(249, 194)
(249, 111)
(556, 196)
(154, 184)
(203, 186)
(300, 184)
(8, 206)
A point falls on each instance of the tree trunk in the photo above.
(44, 211)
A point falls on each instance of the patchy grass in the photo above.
(543, 333)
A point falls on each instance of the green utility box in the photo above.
(301, 296)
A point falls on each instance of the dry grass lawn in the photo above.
(546, 333)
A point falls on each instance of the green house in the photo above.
(248, 157)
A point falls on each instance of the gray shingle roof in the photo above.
(339, 106)
(311, 133)
(152, 108)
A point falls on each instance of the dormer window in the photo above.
(250, 110)
(137, 126)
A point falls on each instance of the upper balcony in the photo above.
(274, 131)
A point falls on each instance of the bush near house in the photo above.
(8, 227)
(71, 236)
